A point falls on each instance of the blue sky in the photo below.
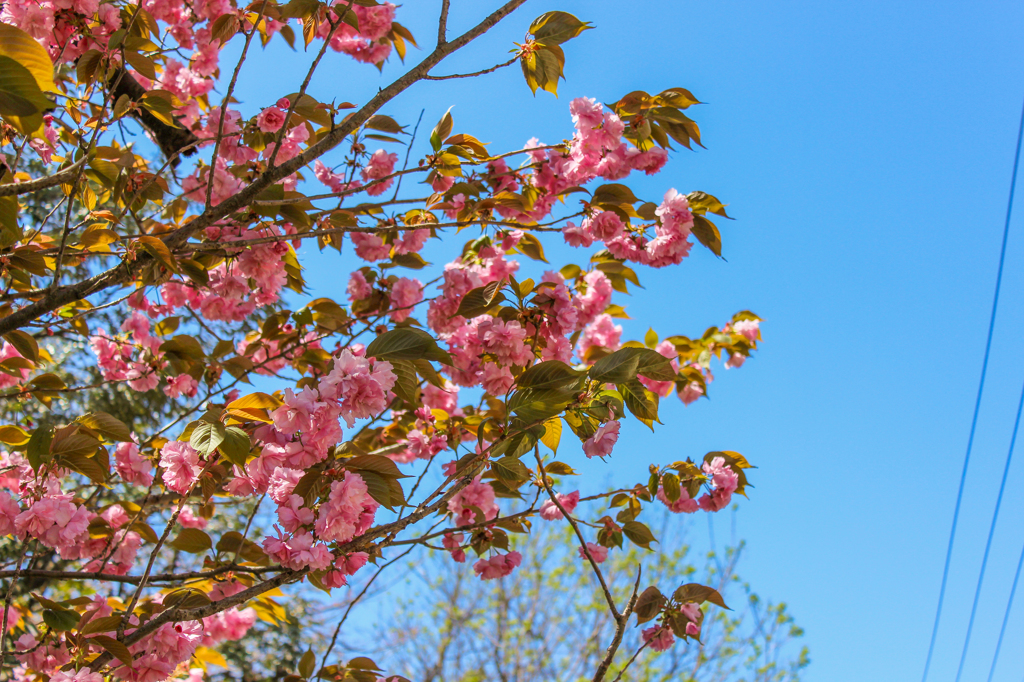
(865, 151)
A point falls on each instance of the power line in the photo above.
(977, 402)
(988, 543)
(1006, 616)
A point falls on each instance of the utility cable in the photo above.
(991, 532)
(977, 402)
(1006, 616)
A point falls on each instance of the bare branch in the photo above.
(57, 178)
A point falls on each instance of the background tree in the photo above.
(546, 622)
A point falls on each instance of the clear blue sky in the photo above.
(865, 150)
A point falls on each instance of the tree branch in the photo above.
(57, 178)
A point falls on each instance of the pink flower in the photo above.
(650, 161)
(296, 413)
(605, 226)
(282, 483)
(115, 515)
(188, 519)
(549, 511)
(380, 165)
(602, 442)
(498, 566)
(725, 482)
(690, 392)
(83, 675)
(596, 298)
(348, 511)
(659, 637)
(601, 333)
(183, 384)
(8, 351)
(370, 247)
(693, 615)
(684, 505)
(405, 293)
(477, 494)
(751, 329)
(576, 235)
(9, 511)
(361, 391)
(446, 398)
(735, 360)
(270, 120)
(283, 103)
(292, 515)
(599, 553)
(229, 625)
(180, 464)
(358, 288)
(131, 466)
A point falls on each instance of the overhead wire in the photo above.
(988, 543)
(977, 402)
(1006, 616)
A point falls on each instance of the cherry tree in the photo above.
(405, 415)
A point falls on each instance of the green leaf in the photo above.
(552, 434)
(107, 425)
(38, 452)
(654, 365)
(641, 402)
(104, 624)
(87, 466)
(207, 437)
(236, 445)
(542, 68)
(307, 663)
(582, 425)
(156, 248)
(510, 470)
(22, 103)
(61, 621)
(702, 202)
(536, 404)
(559, 469)
(378, 488)
(405, 379)
(442, 130)
(24, 343)
(192, 540)
(707, 233)
(554, 28)
(10, 230)
(613, 194)
(478, 301)
(407, 343)
(625, 363)
(670, 483)
(698, 594)
(551, 374)
(118, 649)
(186, 598)
(617, 367)
(638, 533)
(29, 54)
(378, 464)
(518, 443)
(648, 604)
